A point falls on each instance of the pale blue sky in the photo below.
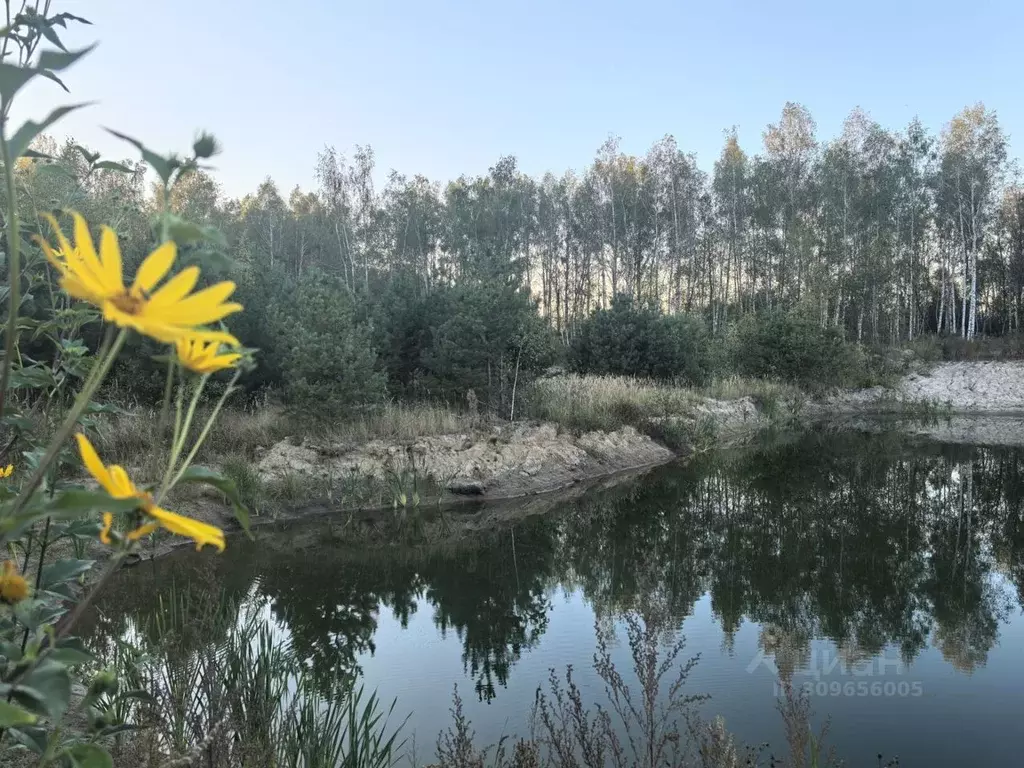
(443, 88)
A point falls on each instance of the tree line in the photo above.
(885, 234)
(876, 236)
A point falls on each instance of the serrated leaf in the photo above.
(89, 756)
(19, 142)
(12, 716)
(34, 377)
(223, 484)
(63, 570)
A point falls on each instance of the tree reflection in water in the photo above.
(867, 540)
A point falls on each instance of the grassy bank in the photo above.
(678, 417)
(610, 402)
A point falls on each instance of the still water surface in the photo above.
(882, 574)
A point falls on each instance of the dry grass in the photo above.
(398, 422)
(606, 402)
(127, 437)
(735, 387)
(610, 402)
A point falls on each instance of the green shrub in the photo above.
(489, 338)
(792, 347)
(326, 359)
(628, 339)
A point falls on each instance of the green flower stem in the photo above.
(165, 412)
(206, 431)
(13, 265)
(96, 377)
(180, 435)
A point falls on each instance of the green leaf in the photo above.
(50, 76)
(89, 756)
(224, 485)
(13, 79)
(110, 165)
(89, 157)
(35, 155)
(19, 142)
(58, 60)
(35, 377)
(31, 737)
(46, 689)
(139, 694)
(163, 166)
(70, 651)
(78, 502)
(37, 612)
(63, 18)
(63, 570)
(52, 36)
(11, 715)
(65, 505)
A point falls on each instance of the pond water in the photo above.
(883, 575)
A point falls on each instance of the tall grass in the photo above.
(128, 436)
(605, 402)
(610, 402)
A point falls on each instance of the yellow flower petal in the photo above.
(108, 523)
(165, 314)
(199, 532)
(175, 289)
(202, 356)
(125, 487)
(142, 530)
(156, 265)
(62, 242)
(201, 308)
(92, 463)
(110, 258)
(13, 587)
(87, 255)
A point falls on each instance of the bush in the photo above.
(792, 347)
(487, 338)
(638, 340)
(327, 361)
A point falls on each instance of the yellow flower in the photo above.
(116, 482)
(166, 314)
(13, 587)
(7, 471)
(203, 356)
